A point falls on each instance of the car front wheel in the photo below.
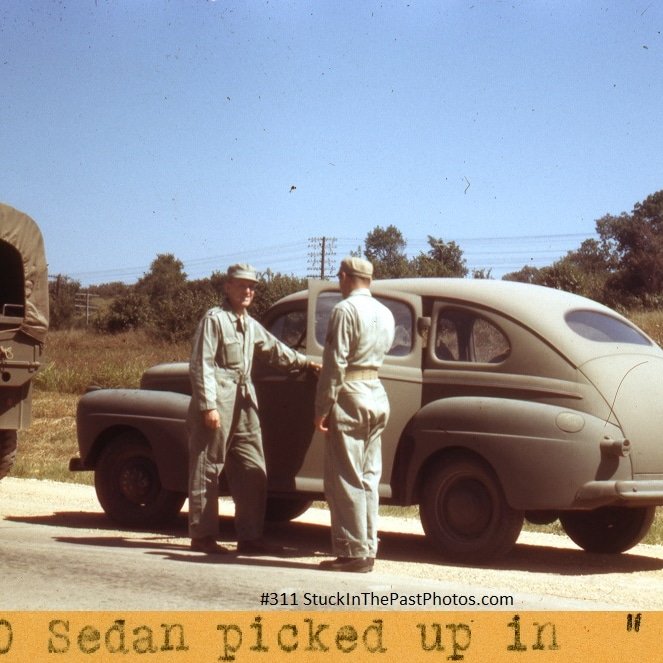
(128, 487)
(610, 529)
(464, 512)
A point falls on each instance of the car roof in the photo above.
(540, 308)
(509, 297)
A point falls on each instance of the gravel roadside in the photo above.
(540, 563)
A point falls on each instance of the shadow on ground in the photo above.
(305, 540)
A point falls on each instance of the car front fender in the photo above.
(159, 417)
(542, 454)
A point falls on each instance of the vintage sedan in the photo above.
(509, 402)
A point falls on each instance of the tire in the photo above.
(610, 529)
(282, 509)
(464, 512)
(128, 487)
(8, 444)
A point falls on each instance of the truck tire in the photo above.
(7, 451)
(128, 487)
(464, 512)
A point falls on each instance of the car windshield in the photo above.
(403, 317)
(604, 328)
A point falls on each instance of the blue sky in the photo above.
(132, 128)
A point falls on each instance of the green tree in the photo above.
(62, 301)
(165, 278)
(442, 259)
(109, 290)
(482, 273)
(129, 310)
(527, 274)
(636, 240)
(385, 248)
(271, 288)
(562, 275)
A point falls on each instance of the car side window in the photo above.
(290, 328)
(403, 334)
(403, 317)
(464, 336)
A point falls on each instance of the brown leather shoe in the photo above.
(256, 547)
(208, 545)
(349, 564)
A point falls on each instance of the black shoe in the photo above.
(207, 544)
(350, 564)
(256, 547)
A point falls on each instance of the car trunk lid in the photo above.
(632, 386)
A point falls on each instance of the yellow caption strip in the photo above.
(269, 637)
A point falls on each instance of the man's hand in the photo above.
(314, 367)
(322, 424)
(212, 419)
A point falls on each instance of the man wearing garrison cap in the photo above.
(224, 429)
(352, 409)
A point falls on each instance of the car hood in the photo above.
(632, 385)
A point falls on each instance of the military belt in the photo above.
(241, 379)
(361, 374)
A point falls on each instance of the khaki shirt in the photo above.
(360, 333)
(222, 357)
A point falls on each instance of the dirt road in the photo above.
(59, 551)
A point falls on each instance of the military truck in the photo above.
(23, 323)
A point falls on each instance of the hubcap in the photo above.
(137, 482)
(466, 508)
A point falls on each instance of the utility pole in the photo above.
(322, 255)
(82, 301)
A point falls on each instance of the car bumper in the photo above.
(621, 493)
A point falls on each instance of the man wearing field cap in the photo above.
(224, 429)
(352, 409)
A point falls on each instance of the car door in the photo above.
(401, 373)
(285, 399)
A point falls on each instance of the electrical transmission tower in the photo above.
(322, 257)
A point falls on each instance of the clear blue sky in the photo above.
(132, 128)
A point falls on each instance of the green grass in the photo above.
(74, 360)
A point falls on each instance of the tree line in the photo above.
(623, 268)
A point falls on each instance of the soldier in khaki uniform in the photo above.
(352, 409)
(223, 423)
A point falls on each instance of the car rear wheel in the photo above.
(7, 451)
(464, 512)
(282, 509)
(610, 529)
(127, 483)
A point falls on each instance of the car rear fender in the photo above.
(542, 454)
(158, 416)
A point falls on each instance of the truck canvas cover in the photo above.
(19, 231)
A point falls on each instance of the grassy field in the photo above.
(74, 360)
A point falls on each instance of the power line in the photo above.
(295, 257)
(322, 256)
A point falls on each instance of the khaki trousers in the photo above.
(353, 466)
(238, 448)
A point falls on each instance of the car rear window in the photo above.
(604, 328)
